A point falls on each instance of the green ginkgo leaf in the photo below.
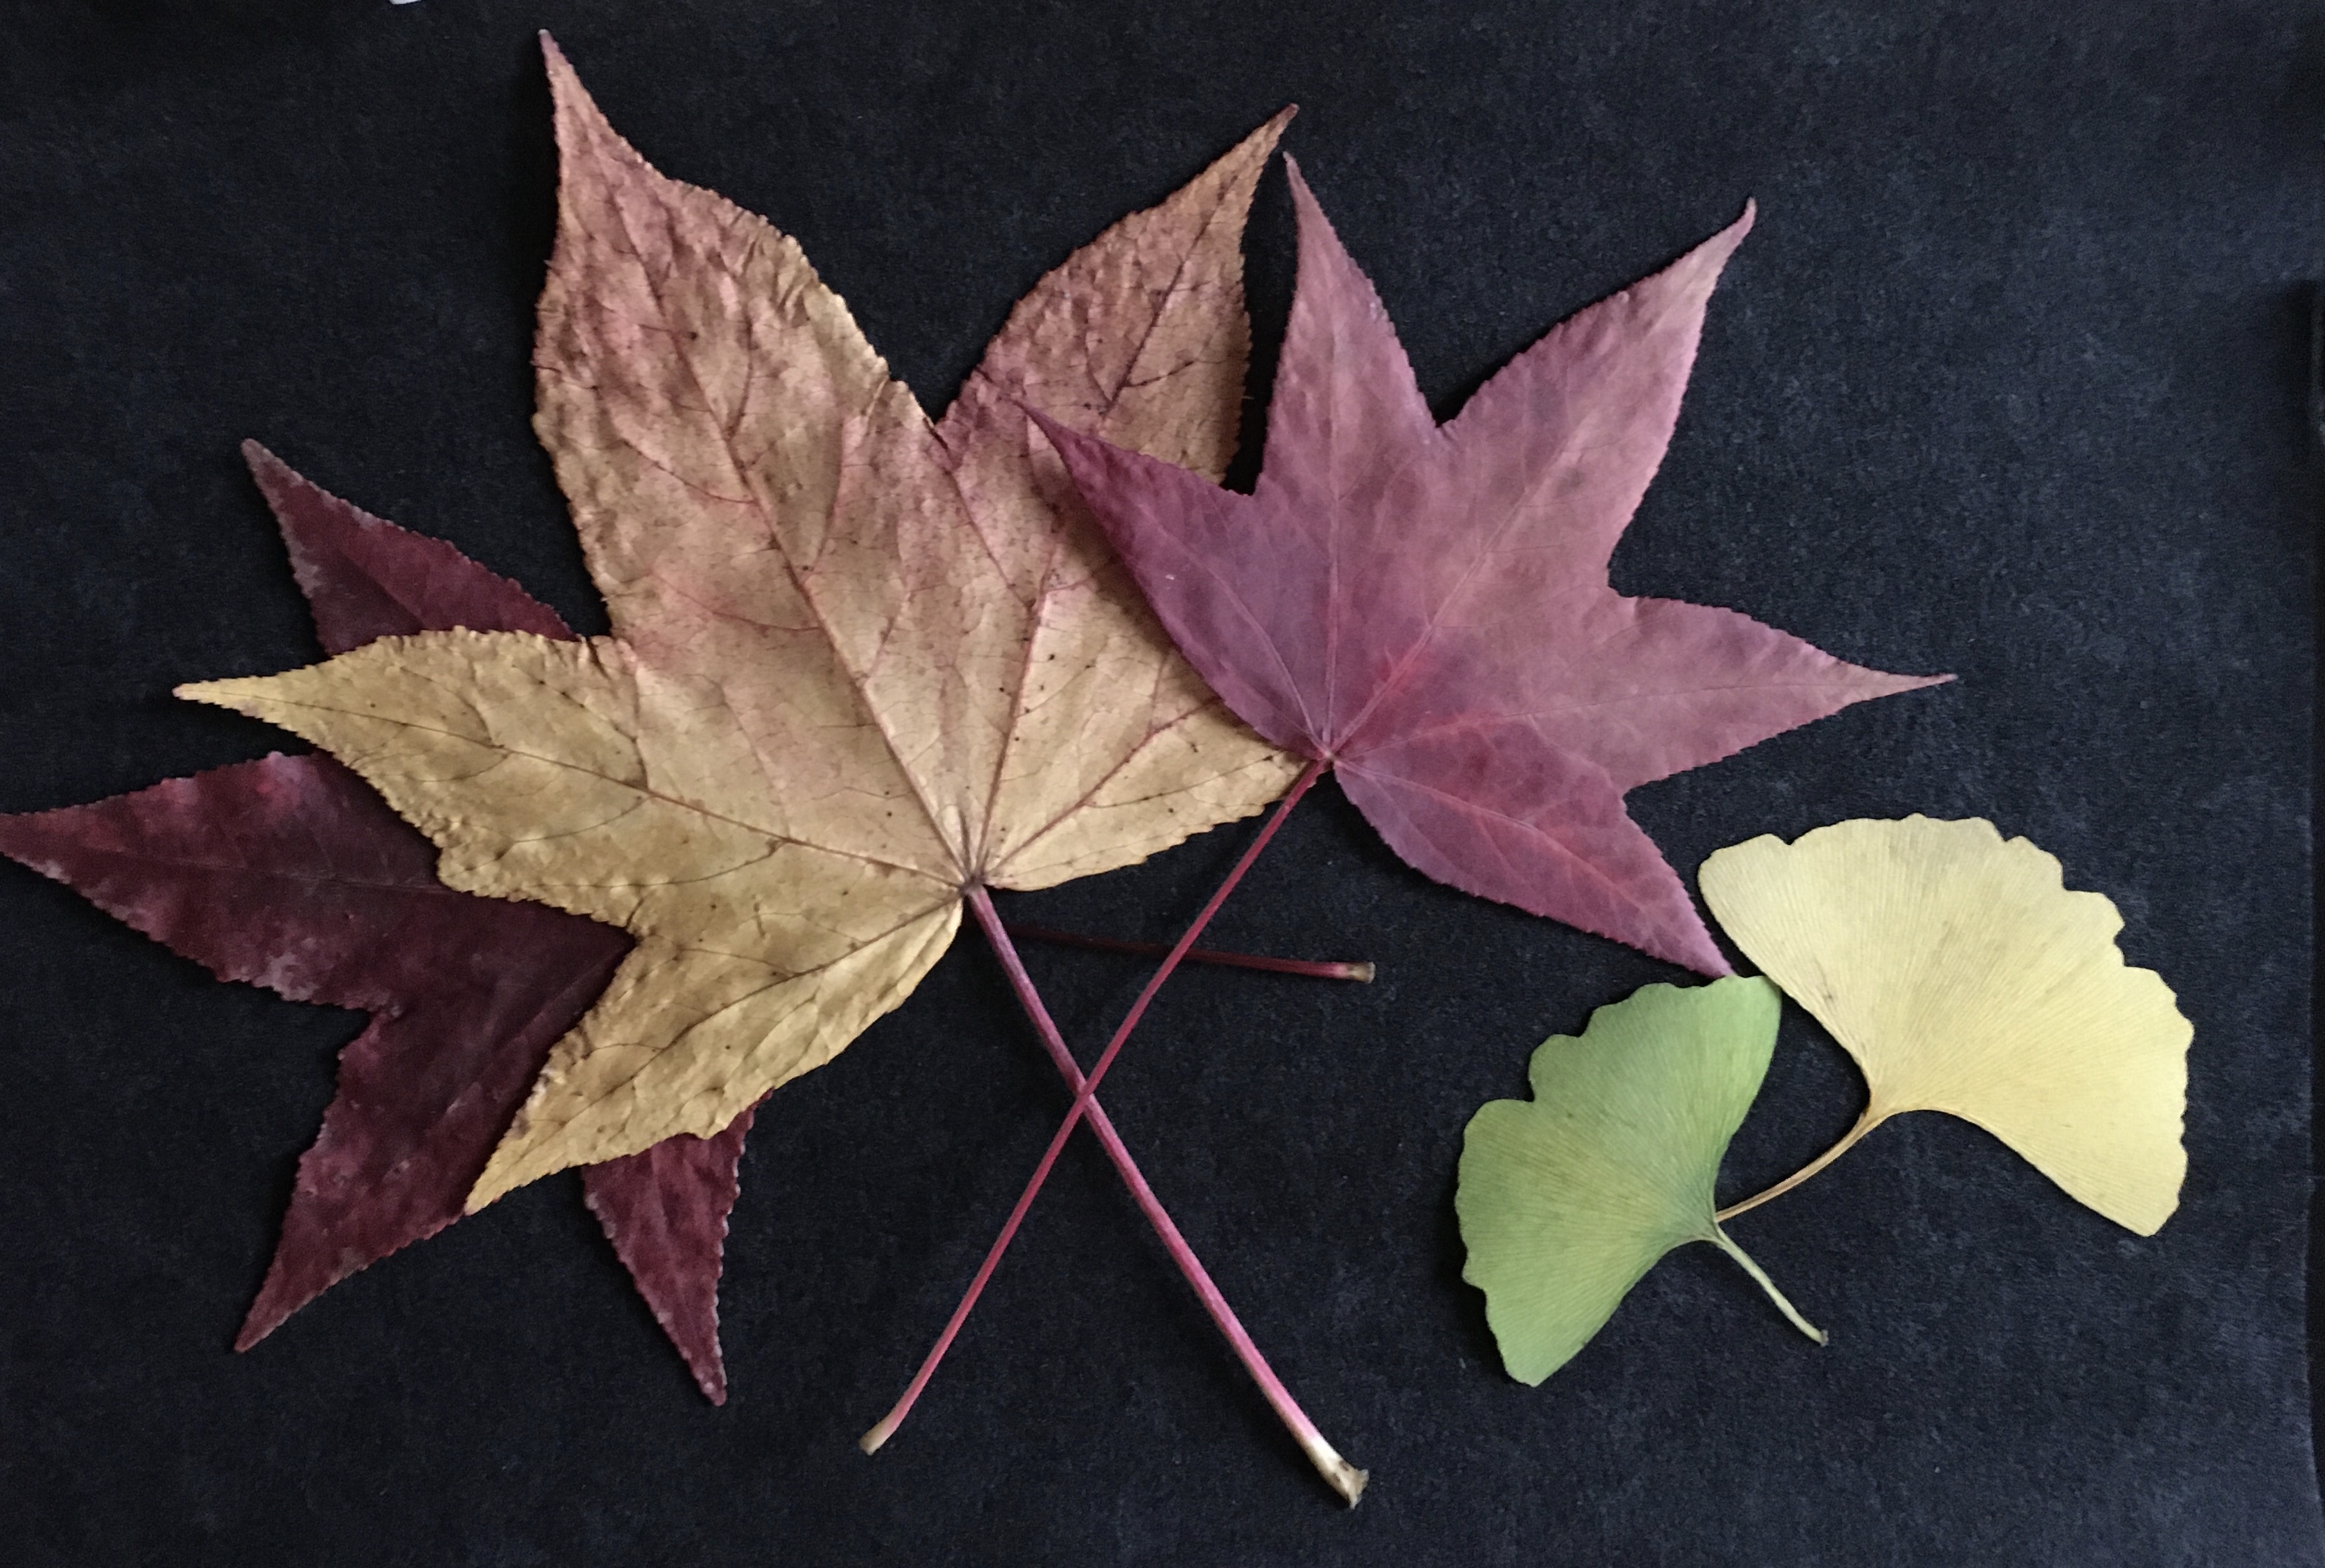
(1568, 1199)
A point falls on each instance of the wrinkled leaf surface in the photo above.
(1964, 977)
(860, 660)
(1428, 606)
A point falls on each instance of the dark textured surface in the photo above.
(2008, 381)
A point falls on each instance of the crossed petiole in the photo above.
(1343, 1477)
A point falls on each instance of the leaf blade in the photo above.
(1963, 976)
(829, 705)
(1567, 1200)
(1391, 589)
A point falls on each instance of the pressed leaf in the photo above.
(365, 578)
(1427, 606)
(1568, 1199)
(665, 1210)
(1964, 977)
(860, 661)
(291, 873)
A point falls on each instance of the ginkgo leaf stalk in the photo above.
(1343, 1477)
(1719, 1239)
(1849, 1140)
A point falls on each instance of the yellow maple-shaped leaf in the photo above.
(1964, 977)
(860, 661)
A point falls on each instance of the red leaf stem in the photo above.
(1325, 970)
(1344, 1477)
(1215, 1302)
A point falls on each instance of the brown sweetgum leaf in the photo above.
(860, 661)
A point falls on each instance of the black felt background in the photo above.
(2008, 381)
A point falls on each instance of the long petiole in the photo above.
(1314, 969)
(1344, 1477)
(1287, 1409)
(1865, 1124)
(1719, 1238)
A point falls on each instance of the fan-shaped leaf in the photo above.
(1567, 1200)
(1964, 977)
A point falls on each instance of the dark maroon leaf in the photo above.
(365, 579)
(291, 873)
(665, 1210)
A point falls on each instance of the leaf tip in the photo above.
(502, 1176)
(490, 1190)
(565, 89)
(1301, 194)
(204, 691)
(1260, 144)
(277, 481)
(563, 82)
(1690, 947)
(1720, 247)
(1249, 156)
(1307, 212)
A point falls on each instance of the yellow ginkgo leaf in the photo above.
(1964, 977)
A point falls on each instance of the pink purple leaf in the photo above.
(1427, 606)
